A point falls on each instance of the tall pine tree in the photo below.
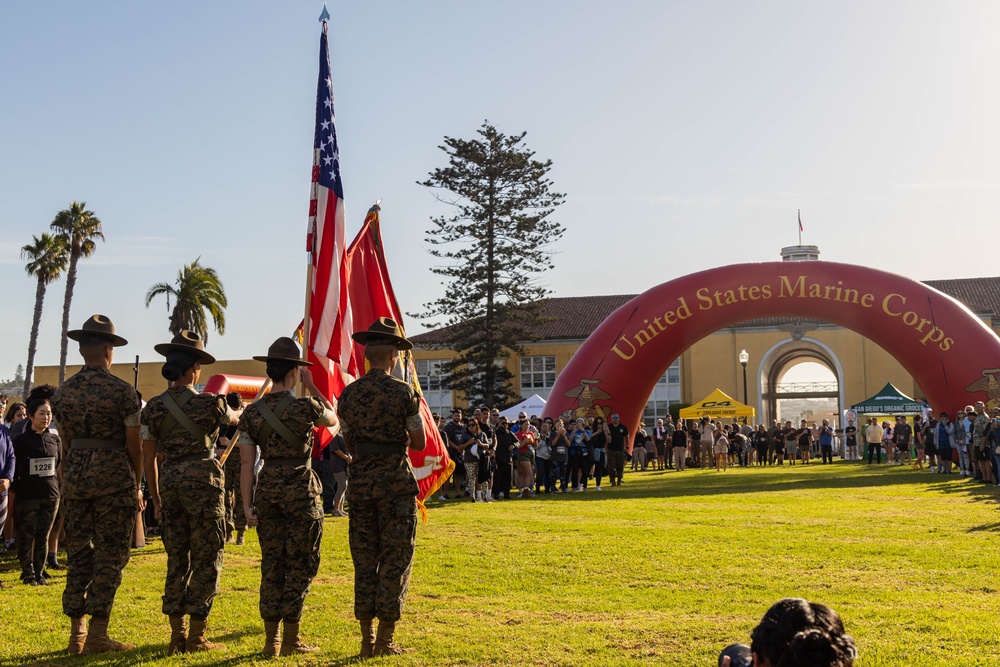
(495, 246)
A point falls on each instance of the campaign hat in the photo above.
(284, 349)
(186, 341)
(383, 331)
(98, 326)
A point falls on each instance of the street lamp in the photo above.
(744, 358)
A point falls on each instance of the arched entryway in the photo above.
(944, 346)
(784, 355)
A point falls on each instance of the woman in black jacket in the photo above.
(36, 483)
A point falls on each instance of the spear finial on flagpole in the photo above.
(325, 16)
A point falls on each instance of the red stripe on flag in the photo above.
(324, 260)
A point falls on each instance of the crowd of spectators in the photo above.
(967, 443)
(497, 458)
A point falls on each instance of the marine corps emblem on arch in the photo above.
(942, 344)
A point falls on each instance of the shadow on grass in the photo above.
(841, 475)
(985, 528)
(143, 655)
(140, 655)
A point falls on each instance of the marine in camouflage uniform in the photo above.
(98, 417)
(286, 505)
(187, 489)
(378, 414)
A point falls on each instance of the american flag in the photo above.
(330, 325)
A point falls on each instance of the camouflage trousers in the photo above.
(290, 536)
(236, 519)
(194, 533)
(382, 533)
(98, 544)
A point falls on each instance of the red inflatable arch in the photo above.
(951, 353)
(245, 385)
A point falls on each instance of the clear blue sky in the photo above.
(685, 136)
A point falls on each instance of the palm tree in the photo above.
(79, 229)
(47, 257)
(196, 290)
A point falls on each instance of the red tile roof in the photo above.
(576, 317)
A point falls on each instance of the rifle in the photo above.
(236, 438)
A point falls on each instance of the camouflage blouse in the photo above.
(377, 408)
(285, 483)
(186, 460)
(95, 404)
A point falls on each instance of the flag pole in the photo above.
(310, 248)
(800, 226)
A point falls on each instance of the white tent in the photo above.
(531, 406)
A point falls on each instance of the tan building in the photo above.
(859, 368)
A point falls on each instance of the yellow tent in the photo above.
(718, 404)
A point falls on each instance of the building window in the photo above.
(430, 375)
(435, 385)
(666, 392)
(538, 374)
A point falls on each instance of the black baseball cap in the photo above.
(739, 655)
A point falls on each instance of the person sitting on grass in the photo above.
(797, 633)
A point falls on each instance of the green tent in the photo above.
(890, 401)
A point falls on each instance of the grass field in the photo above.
(665, 570)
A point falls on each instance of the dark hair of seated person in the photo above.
(798, 633)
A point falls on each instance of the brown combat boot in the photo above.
(196, 639)
(367, 639)
(290, 642)
(77, 634)
(383, 642)
(98, 640)
(178, 635)
(239, 537)
(272, 645)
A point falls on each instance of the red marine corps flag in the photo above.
(371, 297)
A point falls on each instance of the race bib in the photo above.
(43, 467)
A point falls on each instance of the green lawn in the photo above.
(665, 570)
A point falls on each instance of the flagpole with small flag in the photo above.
(800, 226)
(327, 324)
